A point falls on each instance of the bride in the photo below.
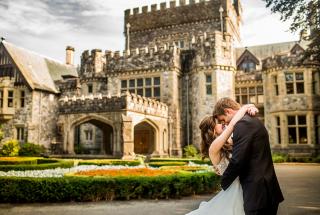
(217, 144)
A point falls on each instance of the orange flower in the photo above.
(127, 172)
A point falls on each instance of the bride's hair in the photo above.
(208, 135)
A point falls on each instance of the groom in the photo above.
(251, 161)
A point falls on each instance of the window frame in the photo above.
(297, 127)
(294, 82)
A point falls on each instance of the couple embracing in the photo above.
(241, 154)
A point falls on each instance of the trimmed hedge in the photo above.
(16, 190)
(171, 163)
(17, 160)
(41, 165)
(110, 162)
(185, 168)
(196, 161)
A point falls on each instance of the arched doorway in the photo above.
(144, 138)
(93, 137)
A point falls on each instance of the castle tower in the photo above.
(179, 21)
(207, 57)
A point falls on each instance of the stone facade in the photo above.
(150, 98)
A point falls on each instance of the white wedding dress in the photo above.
(228, 202)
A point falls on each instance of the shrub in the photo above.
(279, 158)
(10, 148)
(191, 151)
(31, 149)
(173, 163)
(73, 188)
(110, 162)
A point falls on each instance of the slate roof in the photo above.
(263, 51)
(39, 71)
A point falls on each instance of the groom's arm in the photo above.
(242, 137)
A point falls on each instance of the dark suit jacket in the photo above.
(252, 162)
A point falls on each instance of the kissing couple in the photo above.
(241, 154)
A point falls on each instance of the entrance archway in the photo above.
(144, 138)
(93, 137)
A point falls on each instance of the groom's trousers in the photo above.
(272, 210)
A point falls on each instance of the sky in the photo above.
(48, 26)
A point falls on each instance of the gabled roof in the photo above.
(40, 72)
(247, 54)
(263, 51)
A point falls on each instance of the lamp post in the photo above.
(187, 81)
(221, 18)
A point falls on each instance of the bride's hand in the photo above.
(249, 108)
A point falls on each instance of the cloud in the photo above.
(48, 26)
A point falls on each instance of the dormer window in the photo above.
(247, 62)
(248, 66)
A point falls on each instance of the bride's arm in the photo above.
(217, 144)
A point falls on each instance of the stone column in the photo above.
(127, 137)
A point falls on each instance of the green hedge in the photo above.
(171, 163)
(196, 161)
(16, 190)
(41, 165)
(18, 160)
(110, 162)
(185, 168)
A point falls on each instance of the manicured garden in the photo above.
(32, 178)
(37, 179)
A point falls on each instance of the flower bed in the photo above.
(75, 188)
(110, 162)
(146, 172)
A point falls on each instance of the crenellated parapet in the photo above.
(174, 13)
(148, 58)
(106, 103)
(92, 63)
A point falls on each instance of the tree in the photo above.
(305, 16)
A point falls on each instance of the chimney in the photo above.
(69, 55)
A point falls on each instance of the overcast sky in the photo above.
(48, 26)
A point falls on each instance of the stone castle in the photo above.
(179, 59)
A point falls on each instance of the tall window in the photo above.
(245, 95)
(148, 87)
(317, 128)
(10, 98)
(88, 134)
(275, 85)
(1, 98)
(22, 98)
(316, 82)
(209, 84)
(20, 134)
(294, 82)
(297, 129)
(278, 130)
(90, 88)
